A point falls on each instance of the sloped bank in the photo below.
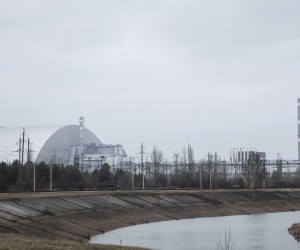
(79, 215)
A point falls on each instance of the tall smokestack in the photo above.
(299, 129)
(81, 127)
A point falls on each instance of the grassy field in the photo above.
(18, 241)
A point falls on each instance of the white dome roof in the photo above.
(47, 141)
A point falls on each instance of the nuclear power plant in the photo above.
(79, 146)
(68, 145)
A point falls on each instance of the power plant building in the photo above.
(57, 145)
(241, 155)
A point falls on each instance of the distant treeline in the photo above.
(14, 177)
(207, 174)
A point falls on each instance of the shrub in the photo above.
(102, 185)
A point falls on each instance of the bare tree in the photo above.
(184, 160)
(188, 171)
(191, 162)
(256, 171)
(175, 172)
(156, 163)
(209, 168)
(202, 173)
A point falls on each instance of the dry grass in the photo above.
(24, 242)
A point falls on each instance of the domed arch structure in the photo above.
(46, 142)
(57, 147)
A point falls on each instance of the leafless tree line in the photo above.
(185, 172)
(211, 172)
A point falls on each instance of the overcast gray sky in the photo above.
(215, 74)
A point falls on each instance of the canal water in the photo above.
(260, 232)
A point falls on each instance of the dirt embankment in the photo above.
(79, 215)
(295, 231)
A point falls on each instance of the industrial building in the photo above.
(241, 155)
(69, 145)
(95, 155)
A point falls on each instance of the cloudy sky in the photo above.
(213, 74)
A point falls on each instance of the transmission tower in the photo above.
(142, 152)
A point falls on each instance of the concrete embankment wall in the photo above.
(80, 215)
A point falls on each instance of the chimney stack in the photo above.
(81, 127)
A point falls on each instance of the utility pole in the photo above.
(132, 173)
(21, 151)
(20, 167)
(264, 174)
(33, 177)
(51, 161)
(210, 183)
(200, 176)
(142, 164)
(51, 177)
(176, 168)
(21, 154)
(210, 170)
(29, 151)
(113, 170)
(23, 141)
(146, 167)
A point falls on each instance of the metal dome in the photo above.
(48, 142)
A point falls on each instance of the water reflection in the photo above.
(264, 231)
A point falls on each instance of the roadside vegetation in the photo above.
(185, 172)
